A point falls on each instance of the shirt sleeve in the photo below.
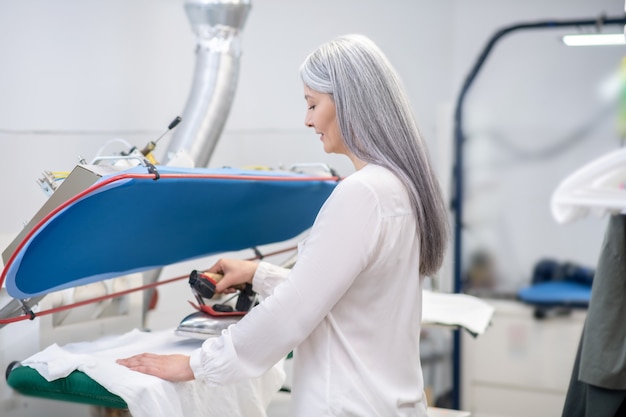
(267, 277)
(336, 251)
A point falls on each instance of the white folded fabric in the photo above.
(148, 396)
(462, 310)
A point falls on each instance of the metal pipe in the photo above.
(217, 25)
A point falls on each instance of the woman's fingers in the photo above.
(236, 272)
(173, 368)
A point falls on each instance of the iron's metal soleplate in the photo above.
(200, 325)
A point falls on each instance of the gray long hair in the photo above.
(378, 127)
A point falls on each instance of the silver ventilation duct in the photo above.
(217, 25)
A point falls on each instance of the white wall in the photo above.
(76, 73)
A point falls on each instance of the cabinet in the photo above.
(521, 366)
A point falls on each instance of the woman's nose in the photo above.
(307, 121)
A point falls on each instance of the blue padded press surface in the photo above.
(125, 225)
(556, 293)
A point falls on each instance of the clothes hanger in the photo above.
(598, 187)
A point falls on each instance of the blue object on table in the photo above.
(556, 294)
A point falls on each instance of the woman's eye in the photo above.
(311, 107)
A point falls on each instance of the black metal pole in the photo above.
(459, 139)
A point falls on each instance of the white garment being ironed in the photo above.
(149, 396)
(351, 307)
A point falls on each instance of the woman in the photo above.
(351, 306)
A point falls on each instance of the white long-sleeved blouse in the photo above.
(350, 309)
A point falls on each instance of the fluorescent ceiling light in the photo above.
(595, 39)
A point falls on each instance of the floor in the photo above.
(279, 407)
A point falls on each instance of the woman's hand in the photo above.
(174, 368)
(235, 272)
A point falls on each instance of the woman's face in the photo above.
(321, 115)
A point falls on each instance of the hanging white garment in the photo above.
(598, 187)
